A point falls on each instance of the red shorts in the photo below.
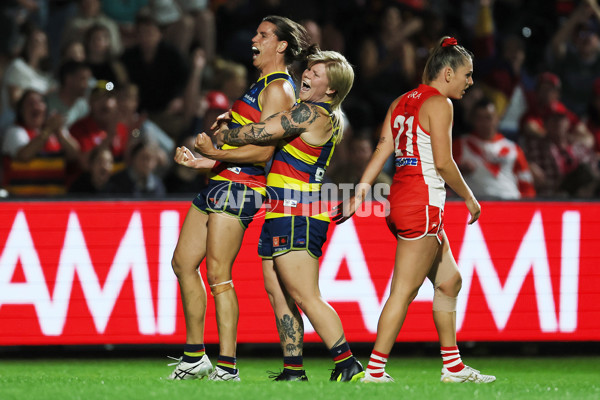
(415, 222)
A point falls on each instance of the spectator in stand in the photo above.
(213, 104)
(139, 178)
(101, 127)
(560, 167)
(161, 73)
(71, 98)
(505, 80)
(94, 181)
(28, 71)
(100, 56)
(141, 127)
(387, 60)
(72, 51)
(124, 14)
(177, 27)
(36, 149)
(492, 166)
(204, 25)
(89, 13)
(184, 180)
(592, 117)
(545, 100)
(231, 78)
(575, 54)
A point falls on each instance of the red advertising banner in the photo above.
(100, 273)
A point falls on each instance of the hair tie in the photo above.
(449, 42)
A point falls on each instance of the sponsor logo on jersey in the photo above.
(407, 162)
(280, 241)
(415, 95)
(235, 170)
(290, 203)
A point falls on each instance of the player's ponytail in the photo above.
(446, 53)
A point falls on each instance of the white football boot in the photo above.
(186, 370)
(467, 374)
(219, 374)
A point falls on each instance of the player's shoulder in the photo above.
(279, 90)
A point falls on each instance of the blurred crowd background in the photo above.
(95, 95)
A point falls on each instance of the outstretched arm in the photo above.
(281, 125)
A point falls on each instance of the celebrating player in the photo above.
(295, 228)
(417, 128)
(213, 229)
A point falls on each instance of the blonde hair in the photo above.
(341, 77)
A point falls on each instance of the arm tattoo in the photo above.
(252, 133)
(299, 118)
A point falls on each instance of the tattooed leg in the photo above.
(291, 331)
(287, 316)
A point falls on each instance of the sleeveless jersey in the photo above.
(297, 173)
(416, 181)
(44, 175)
(247, 110)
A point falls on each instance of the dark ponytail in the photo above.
(294, 34)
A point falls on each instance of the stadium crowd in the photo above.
(95, 95)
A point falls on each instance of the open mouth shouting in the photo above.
(255, 52)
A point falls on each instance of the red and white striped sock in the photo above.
(377, 363)
(451, 359)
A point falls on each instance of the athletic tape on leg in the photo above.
(219, 288)
(443, 302)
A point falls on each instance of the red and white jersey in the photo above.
(499, 166)
(416, 181)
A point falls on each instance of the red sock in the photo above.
(377, 363)
(451, 359)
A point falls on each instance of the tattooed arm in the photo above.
(278, 126)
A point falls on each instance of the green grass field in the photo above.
(416, 378)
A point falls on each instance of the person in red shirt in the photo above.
(492, 165)
(542, 102)
(101, 127)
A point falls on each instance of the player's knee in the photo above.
(443, 302)
(179, 268)
(451, 287)
(221, 287)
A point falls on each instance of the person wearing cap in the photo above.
(560, 166)
(543, 101)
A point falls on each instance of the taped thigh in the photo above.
(219, 288)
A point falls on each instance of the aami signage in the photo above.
(100, 272)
